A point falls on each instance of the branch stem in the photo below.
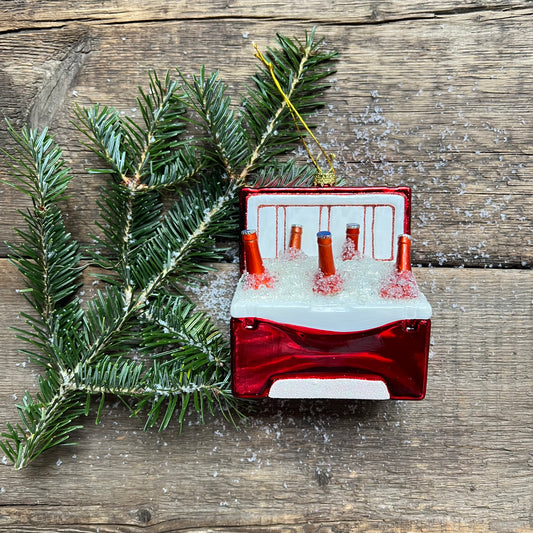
(69, 382)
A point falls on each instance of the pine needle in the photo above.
(168, 198)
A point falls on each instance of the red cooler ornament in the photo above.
(342, 319)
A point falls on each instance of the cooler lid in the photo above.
(383, 214)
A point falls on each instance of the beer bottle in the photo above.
(403, 258)
(350, 249)
(294, 251)
(401, 284)
(257, 274)
(327, 280)
(295, 240)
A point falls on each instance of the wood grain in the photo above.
(35, 13)
(434, 95)
(459, 461)
(441, 104)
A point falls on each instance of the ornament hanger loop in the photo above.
(321, 178)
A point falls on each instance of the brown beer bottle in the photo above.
(257, 274)
(401, 284)
(350, 249)
(326, 281)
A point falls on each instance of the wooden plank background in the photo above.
(434, 95)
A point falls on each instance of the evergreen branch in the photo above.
(105, 326)
(47, 256)
(162, 111)
(296, 116)
(157, 386)
(185, 237)
(106, 329)
(287, 174)
(129, 218)
(39, 169)
(103, 126)
(49, 420)
(145, 247)
(184, 166)
(226, 135)
(49, 260)
(142, 157)
(120, 376)
(57, 339)
(177, 331)
(131, 207)
(175, 388)
(191, 359)
(300, 68)
(46, 421)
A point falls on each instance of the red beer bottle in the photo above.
(403, 259)
(327, 280)
(294, 251)
(350, 249)
(401, 284)
(257, 274)
(295, 240)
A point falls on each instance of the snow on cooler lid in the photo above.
(358, 307)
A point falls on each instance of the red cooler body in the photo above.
(288, 341)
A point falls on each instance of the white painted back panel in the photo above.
(380, 216)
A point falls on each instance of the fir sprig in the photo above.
(168, 197)
(300, 68)
(265, 129)
(47, 256)
(226, 136)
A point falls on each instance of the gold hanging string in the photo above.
(321, 178)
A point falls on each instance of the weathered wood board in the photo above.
(434, 95)
(438, 102)
(458, 461)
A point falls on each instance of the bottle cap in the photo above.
(248, 234)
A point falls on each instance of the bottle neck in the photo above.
(252, 256)
(350, 249)
(352, 235)
(295, 240)
(403, 259)
(325, 254)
